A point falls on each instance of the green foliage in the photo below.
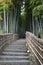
(41, 16)
(5, 4)
(38, 10)
(2, 31)
(35, 2)
(23, 22)
(35, 5)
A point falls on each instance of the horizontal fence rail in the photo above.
(36, 46)
(7, 39)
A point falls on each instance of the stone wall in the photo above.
(6, 39)
(36, 46)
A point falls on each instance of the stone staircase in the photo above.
(15, 54)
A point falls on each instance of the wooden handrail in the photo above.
(36, 46)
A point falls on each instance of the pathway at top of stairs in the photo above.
(15, 54)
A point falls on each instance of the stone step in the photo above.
(14, 53)
(14, 57)
(15, 50)
(15, 62)
(16, 47)
(18, 43)
(20, 48)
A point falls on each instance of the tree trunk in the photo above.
(40, 25)
(14, 21)
(33, 24)
(4, 20)
(10, 22)
(7, 22)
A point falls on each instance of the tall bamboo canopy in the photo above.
(1, 1)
